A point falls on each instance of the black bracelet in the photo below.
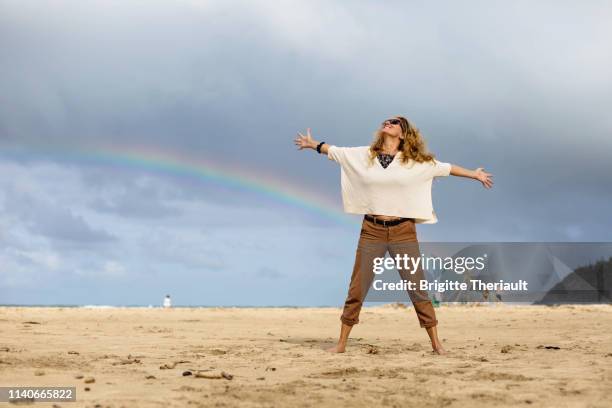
(319, 147)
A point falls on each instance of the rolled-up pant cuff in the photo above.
(349, 322)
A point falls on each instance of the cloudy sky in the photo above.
(521, 88)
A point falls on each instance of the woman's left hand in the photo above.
(485, 178)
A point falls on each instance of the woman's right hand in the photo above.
(305, 141)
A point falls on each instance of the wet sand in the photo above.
(536, 356)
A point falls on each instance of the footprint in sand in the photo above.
(339, 373)
(549, 347)
(496, 376)
(213, 376)
(371, 349)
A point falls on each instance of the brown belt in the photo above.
(387, 223)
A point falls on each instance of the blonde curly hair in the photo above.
(412, 145)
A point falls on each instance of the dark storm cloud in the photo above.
(53, 221)
(129, 196)
(519, 88)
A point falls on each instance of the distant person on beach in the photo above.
(390, 183)
(167, 301)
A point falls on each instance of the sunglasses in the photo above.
(391, 122)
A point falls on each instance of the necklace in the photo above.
(385, 159)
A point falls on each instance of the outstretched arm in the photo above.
(307, 142)
(479, 174)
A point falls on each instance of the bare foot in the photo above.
(336, 349)
(439, 350)
(436, 345)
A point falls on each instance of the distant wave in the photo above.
(99, 306)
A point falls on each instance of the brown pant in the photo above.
(374, 242)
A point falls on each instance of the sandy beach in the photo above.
(537, 356)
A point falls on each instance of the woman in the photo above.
(390, 183)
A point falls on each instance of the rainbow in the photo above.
(183, 166)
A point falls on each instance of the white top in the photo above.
(401, 190)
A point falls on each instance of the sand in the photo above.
(274, 357)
